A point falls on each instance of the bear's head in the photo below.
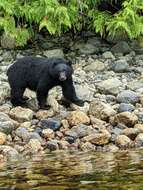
(61, 69)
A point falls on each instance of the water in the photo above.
(72, 171)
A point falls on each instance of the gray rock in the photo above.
(120, 66)
(126, 107)
(22, 133)
(52, 145)
(121, 47)
(81, 130)
(95, 66)
(108, 55)
(135, 85)
(88, 49)
(110, 86)
(50, 123)
(54, 53)
(128, 96)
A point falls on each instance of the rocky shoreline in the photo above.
(108, 77)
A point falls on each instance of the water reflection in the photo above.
(71, 171)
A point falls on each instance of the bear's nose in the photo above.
(62, 76)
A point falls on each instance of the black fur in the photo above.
(40, 75)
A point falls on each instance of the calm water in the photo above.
(71, 171)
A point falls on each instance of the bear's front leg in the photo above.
(42, 93)
(70, 94)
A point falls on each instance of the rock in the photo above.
(98, 138)
(135, 85)
(97, 123)
(87, 146)
(83, 92)
(7, 125)
(87, 49)
(7, 41)
(44, 114)
(123, 141)
(22, 133)
(101, 110)
(81, 130)
(77, 117)
(110, 86)
(139, 127)
(139, 140)
(126, 118)
(131, 132)
(50, 123)
(128, 96)
(21, 114)
(112, 148)
(65, 124)
(3, 137)
(52, 145)
(10, 153)
(121, 47)
(34, 145)
(48, 133)
(108, 55)
(4, 93)
(123, 107)
(54, 53)
(26, 124)
(5, 108)
(120, 66)
(71, 136)
(117, 131)
(95, 66)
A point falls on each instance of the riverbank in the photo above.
(108, 76)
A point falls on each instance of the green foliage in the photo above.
(22, 18)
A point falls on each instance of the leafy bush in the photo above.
(23, 18)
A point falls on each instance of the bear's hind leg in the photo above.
(17, 97)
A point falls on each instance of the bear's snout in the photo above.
(62, 76)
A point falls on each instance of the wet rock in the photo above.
(87, 146)
(44, 114)
(120, 66)
(128, 96)
(108, 55)
(131, 132)
(126, 118)
(121, 47)
(10, 153)
(98, 138)
(34, 145)
(21, 114)
(71, 138)
(123, 141)
(110, 86)
(52, 145)
(50, 123)
(124, 107)
(81, 130)
(101, 110)
(77, 117)
(112, 148)
(95, 66)
(54, 53)
(48, 133)
(3, 137)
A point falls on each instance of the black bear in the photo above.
(40, 75)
